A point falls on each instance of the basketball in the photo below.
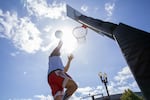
(58, 34)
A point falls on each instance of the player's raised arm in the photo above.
(56, 51)
(70, 57)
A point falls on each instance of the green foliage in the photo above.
(129, 95)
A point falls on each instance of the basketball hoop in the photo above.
(80, 33)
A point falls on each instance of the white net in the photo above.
(80, 33)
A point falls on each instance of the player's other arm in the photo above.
(56, 51)
(70, 57)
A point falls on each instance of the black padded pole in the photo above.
(135, 46)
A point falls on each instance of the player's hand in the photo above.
(70, 57)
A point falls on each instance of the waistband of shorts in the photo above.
(54, 71)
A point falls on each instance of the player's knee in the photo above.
(72, 85)
(59, 97)
(75, 86)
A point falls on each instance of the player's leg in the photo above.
(59, 97)
(65, 81)
(71, 87)
(55, 82)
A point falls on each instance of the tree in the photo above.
(129, 95)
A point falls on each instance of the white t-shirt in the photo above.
(55, 62)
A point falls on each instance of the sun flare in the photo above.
(69, 41)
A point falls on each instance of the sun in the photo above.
(69, 41)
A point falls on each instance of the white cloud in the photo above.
(21, 31)
(123, 75)
(26, 35)
(40, 8)
(123, 80)
(85, 90)
(109, 7)
(42, 97)
(74, 97)
(8, 21)
(84, 8)
(47, 28)
(133, 84)
(1, 30)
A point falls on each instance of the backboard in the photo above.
(75, 15)
(91, 23)
(72, 13)
(78, 32)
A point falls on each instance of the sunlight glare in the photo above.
(69, 41)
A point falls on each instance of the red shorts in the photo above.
(57, 81)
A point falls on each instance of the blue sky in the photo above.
(27, 37)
